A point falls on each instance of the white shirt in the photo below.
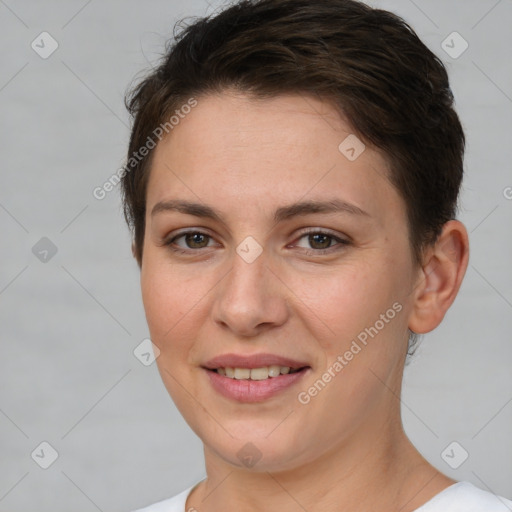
(458, 497)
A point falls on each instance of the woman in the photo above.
(292, 184)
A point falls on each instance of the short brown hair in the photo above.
(370, 63)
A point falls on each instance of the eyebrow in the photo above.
(281, 214)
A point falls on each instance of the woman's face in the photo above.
(327, 288)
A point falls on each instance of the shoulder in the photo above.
(174, 504)
(466, 497)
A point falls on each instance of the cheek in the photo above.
(169, 302)
(177, 304)
(168, 299)
(344, 301)
(159, 304)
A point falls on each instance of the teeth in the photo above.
(242, 373)
(260, 373)
(255, 373)
(274, 371)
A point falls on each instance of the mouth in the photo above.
(248, 390)
(254, 377)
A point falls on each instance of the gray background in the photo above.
(69, 325)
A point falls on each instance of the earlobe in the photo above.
(440, 279)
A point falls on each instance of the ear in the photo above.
(440, 277)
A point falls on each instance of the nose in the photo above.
(250, 299)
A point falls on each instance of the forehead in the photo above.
(239, 151)
(292, 124)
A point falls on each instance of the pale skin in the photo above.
(346, 449)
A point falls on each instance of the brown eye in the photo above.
(196, 240)
(320, 240)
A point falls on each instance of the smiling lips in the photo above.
(254, 367)
(253, 378)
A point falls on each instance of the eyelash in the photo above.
(311, 252)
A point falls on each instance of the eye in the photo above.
(322, 242)
(193, 240)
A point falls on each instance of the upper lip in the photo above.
(252, 361)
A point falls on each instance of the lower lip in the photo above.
(248, 390)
